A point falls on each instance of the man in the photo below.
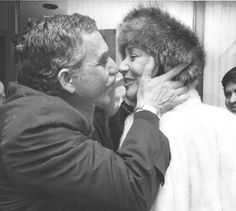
(229, 85)
(51, 155)
(202, 171)
(2, 93)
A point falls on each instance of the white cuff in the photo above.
(152, 109)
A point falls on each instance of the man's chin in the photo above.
(233, 110)
(103, 101)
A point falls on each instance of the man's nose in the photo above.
(233, 98)
(124, 67)
(112, 66)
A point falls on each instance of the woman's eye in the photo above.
(133, 57)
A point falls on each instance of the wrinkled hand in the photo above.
(161, 92)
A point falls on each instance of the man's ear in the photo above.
(66, 81)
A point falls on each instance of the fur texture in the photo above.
(168, 40)
(202, 171)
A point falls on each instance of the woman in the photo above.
(202, 171)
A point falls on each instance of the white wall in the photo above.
(220, 45)
(108, 14)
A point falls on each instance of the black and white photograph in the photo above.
(117, 105)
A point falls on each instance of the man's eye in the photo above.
(102, 62)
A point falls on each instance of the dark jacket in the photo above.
(110, 129)
(48, 161)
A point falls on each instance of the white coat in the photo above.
(202, 171)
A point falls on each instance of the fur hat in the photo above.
(165, 38)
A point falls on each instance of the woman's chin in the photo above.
(131, 93)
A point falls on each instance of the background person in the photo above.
(202, 171)
(229, 86)
(2, 93)
(51, 157)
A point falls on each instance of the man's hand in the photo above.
(161, 92)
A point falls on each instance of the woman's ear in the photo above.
(155, 71)
(66, 81)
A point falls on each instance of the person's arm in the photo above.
(57, 161)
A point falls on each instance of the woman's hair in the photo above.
(230, 76)
(50, 44)
(165, 38)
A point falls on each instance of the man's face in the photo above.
(132, 68)
(98, 71)
(230, 96)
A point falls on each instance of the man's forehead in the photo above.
(230, 86)
(130, 47)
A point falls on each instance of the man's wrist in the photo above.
(152, 109)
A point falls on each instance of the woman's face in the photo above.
(132, 68)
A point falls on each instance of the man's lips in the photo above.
(110, 83)
(128, 81)
(232, 107)
(114, 84)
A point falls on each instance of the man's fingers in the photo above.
(181, 91)
(175, 71)
(147, 72)
(182, 98)
(175, 84)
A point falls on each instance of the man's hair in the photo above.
(165, 38)
(50, 44)
(230, 76)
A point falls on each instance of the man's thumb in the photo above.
(147, 72)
